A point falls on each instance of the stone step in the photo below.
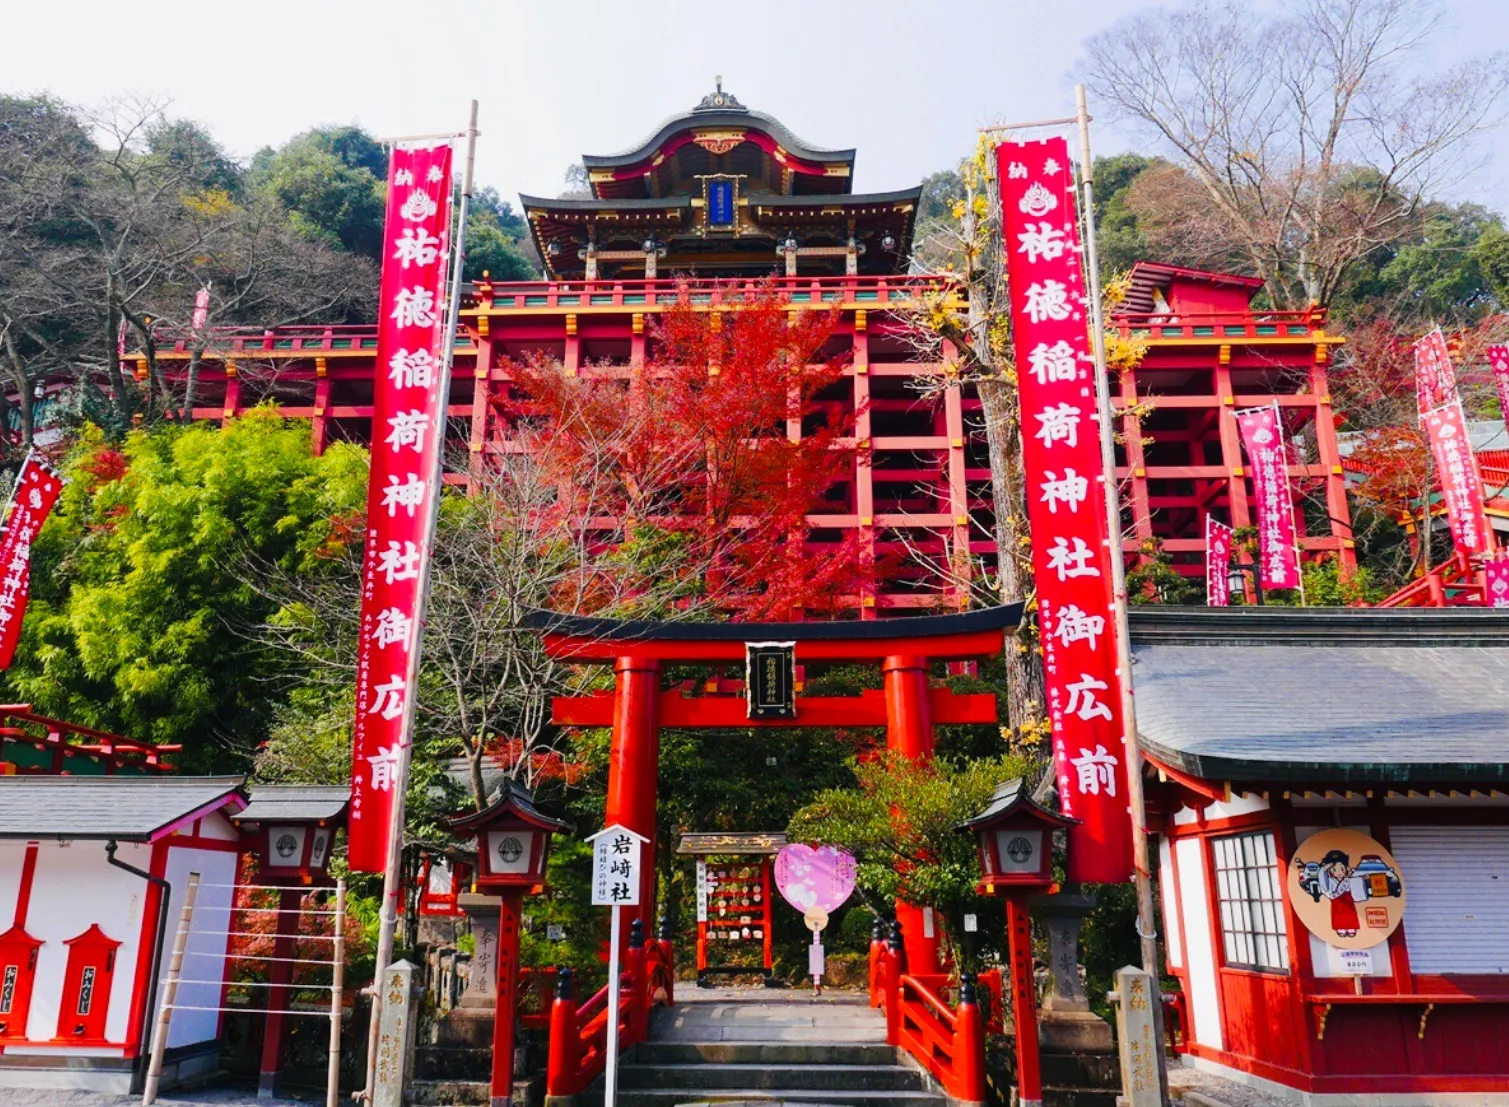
(1080, 1097)
(762, 1053)
(1081, 1070)
(680, 1097)
(806, 1078)
(449, 1063)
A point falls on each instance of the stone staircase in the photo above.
(749, 1045)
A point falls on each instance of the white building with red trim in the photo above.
(92, 876)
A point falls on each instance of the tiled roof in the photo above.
(297, 802)
(126, 808)
(1325, 696)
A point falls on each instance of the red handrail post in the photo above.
(969, 1044)
(1023, 1001)
(877, 961)
(895, 969)
(668, 958)
(639, 987)
(561, 1062)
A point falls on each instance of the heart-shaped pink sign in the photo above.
(820, 878)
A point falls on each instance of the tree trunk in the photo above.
(191, 382)
(23, 395)
(112, 357)
(1024, 667)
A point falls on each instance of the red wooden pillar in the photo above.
(1023, 1000)
(506, 1005)
(279, 994)
(633, 764)
(909, 731)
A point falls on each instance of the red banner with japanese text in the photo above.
(1498, 361)
(1278, 537)
(38, 486)
(1496, 579)
(1435, 379)
(1461, 480)
(1217, 563)
(1066, 502)
(408, 432)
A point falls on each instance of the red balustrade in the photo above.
(579, 1034)
(948, 1041)
(1456, 582)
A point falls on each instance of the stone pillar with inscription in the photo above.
(1138, 1038)
(1065, 1022)
(470, 1022)
(395, 1035)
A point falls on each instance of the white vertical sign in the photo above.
(701, 891)
(615, 883)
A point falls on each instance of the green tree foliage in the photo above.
(497, 240)
(133, 624)
(332, 180)
(1442, 273)
(899, 822)
(1119, 241)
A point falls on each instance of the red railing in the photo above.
(948, 1041)
(579, 1034)
(1456, 582)
(1222, 324)
(665, 292)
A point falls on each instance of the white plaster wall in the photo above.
(1204, 997)
(218, 826)
(204, 956)
(75, 887)
(12, 856)
(1239, 804)
(1168, 892)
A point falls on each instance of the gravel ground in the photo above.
(207, 1097)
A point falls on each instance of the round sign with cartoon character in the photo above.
(1346, 889)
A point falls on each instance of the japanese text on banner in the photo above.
(1217, 563)
(1496, 580)
(1066, 502)
(1461, 480)
(1498, 361)
(1278, 536)
(408, 431)
(38, 487)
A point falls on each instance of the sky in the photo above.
(906, 82)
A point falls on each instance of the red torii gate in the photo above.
(638, 707)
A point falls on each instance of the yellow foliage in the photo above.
(209, 204)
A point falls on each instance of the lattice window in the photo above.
(1251, 902)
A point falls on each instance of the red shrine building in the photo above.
(721, 196)
(1328, 792)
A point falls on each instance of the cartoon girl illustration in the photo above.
(1336, 884)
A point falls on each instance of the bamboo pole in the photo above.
(1131, 753)
(337, 983)
(170, 992)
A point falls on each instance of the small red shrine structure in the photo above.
(1209, 354)
(1389, 726)
(734, 893)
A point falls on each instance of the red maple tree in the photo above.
(725, 438)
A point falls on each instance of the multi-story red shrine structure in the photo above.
(721, 196)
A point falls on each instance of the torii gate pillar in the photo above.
(633, 764)
(909, 732)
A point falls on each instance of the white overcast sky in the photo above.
(907, 82)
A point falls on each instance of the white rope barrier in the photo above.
(256, 957)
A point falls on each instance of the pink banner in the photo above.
(1435, 379)
(408, 431)
(1496, 580)
(1498, 360)
(1066, 503)
(38, 487)
(1278, 550)
(201, 309)
(1217, 563)
(1461, 481)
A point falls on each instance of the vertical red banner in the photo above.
(1278, 537)
(1435, 379)
(38, 487)
(1217, 563)
(1496, 580)
(408, 434)
(1498, 361)
(1461, 480)
(1071, 550)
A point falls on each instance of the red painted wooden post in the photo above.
(894, 969)
(909, 731)
(969, 1044)
(280, 974)
(877, 963)
(1023, 1000)
(633, 763)
(638, 998)
(506, 1005)
(668, 955)
(561, 1061)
